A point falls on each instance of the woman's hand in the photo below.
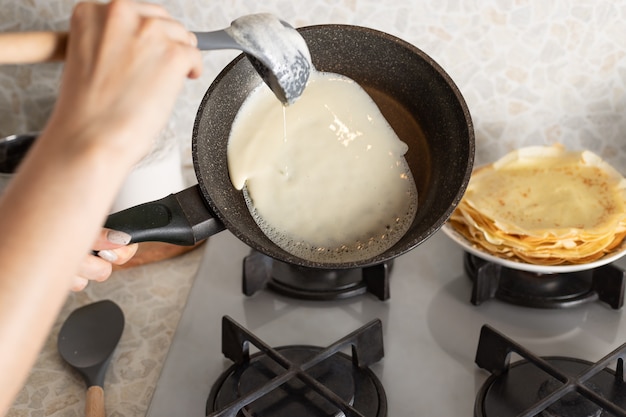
(126, 62)
(111, 248)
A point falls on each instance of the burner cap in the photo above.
(358, 387)
(572, 404)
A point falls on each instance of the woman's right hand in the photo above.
(126, 62)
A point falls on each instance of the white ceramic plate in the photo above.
(539, 269)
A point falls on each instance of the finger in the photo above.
(149, 9)
(151, 14)
(168, 29)
(85, 16)
(118, 256)
(154, 23)
(195, 63)
(125, 253)
(79, 284)
(177, 31)
(142, 8)
(98, 268)
(111, 239)
(94, 268)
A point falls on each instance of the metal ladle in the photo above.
(276, 50)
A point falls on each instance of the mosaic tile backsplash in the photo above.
(531, 71)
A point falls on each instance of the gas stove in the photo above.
(429, 322)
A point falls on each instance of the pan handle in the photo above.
(181, 218)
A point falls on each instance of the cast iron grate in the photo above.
(529, 289)
(547, 386)
(261, 271)
(299, 380)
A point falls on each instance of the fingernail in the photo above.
(193, 39)
(108, 255)
(118, 238)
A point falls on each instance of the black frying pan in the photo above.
(417, 97)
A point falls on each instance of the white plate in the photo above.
(522, 266)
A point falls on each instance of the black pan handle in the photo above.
(182, 219)
(13, 149)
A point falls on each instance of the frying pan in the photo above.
(414, 93)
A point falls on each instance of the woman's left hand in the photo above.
(111, 248)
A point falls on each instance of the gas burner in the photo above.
(547, 386)
(605, 283)
(261, 271)
(299, 380)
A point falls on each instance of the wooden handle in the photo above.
(32, 47)
(94, 404)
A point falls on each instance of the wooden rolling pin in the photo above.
(32, 47)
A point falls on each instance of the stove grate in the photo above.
(261, 271)
(605, 283)
(366, 344)
(554, 380)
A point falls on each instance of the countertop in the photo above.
(531, 71)
(151, 297)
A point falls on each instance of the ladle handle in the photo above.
(219, 39)
(94, 402)
(32, 47)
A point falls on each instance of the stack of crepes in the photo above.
(546, 206)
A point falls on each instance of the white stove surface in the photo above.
(430, 330)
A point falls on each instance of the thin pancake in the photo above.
(545, 205)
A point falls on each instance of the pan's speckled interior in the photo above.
(416, 96)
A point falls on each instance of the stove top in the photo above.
(430, 329)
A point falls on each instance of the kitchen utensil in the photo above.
(86, 342)
(275, 49)
(12, 150)
(414, 93)
(523, 266)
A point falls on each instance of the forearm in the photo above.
(50, 217)
(125, 63)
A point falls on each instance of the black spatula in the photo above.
(86, 341)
